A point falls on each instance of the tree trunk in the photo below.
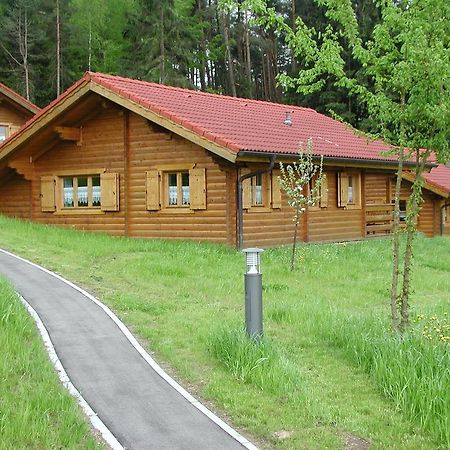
(294, 29)
(90, 46)
(414, 202)
(396, 244)
(229, 59)
(294, 243)
(202, 50)
(58, 51)
(161, 46)
(23, 48)
(248, 61)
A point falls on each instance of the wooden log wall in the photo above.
(151, 147)
(102, 148)
(328, 224)
(378, 188)
(9, 116)
(334, 223)
(446, 228)
(15, 197)
(428, 222)
(268, 228)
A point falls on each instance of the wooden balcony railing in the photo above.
(379, 218)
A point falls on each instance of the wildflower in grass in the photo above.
(436, 329)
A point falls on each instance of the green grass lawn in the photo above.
(36, 411)
(328, 372)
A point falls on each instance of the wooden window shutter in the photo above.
(109, 183)
(197, 188)
(342, 189)
(324, 193)
(276, 190)
(152, 190)
(48, 203)
(246, 190)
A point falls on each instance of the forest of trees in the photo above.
(46, 45)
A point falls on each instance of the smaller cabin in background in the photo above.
(438, 179)
(139, 159)
(14, 111)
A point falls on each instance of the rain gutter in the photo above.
(331, 159)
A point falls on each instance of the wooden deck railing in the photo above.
(379, 218)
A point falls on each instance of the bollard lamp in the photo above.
(253, 293)
(253, 259)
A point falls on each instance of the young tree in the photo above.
(301, 181)
(404, 82)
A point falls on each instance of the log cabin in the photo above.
(14, 111)
(139, 159)
(438, 179)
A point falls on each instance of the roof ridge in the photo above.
(196, 92)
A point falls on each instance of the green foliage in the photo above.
(412, 370)
(253, 361)
(405, 61)
(178, 42)
(324, 324)
(96, 38)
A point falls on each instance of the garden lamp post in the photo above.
(253, 293)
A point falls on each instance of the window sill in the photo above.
(79, 212)
(352, 207)
(175, 211)
(259, 209)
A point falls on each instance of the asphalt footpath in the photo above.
(140, 408)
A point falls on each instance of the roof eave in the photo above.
(429, 186)
(22, 102)
(331, 159)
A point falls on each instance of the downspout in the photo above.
(441, 217)
(240, 212)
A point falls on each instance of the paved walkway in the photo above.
(140, 408)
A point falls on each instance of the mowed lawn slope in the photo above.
(328, 374)
(36, 411)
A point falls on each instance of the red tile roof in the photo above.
(440, 177)
(236, 124)
(18, 98)
(246, 125)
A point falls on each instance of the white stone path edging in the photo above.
(96, 422)
(65, 380)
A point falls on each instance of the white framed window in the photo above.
(177, 191)
(81, 191)
(174, 188)
(257, 190)
(4, 132)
